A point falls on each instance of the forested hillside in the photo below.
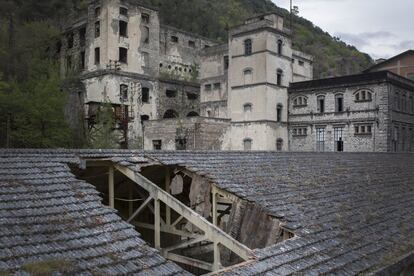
(31, 95)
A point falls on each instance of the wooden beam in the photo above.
(217, 261)
(180, 218)
(184, 244)
(157, 224)
(167, 189)
(140, 209)
(212, 232)
(166, 229)
(214, 195)
(189, 261)
(111, 187)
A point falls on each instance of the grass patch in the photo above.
(48, 267)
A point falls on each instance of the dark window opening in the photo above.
(181, 144)
(206, 46)
(248, 47)
(279, 47)
(145, 95)
(192, 96)
(157, 144)
(338, 137)
(174, 39)
(123, 28)
(171, 93)
(69, 63)
(123, 11)
(217, 86)
(279, 113)
(97, 29)
(320, 139)
(339, 103)
(70, 41)
(279, 77)
(170, 114)
(321, 104)
(146, 34)
(144, 118)
(301, 63)
(82, 60)
(226, 62)
(193, 114)
(247, 144)
(97, 55)
(191, 43)
(145, 18)
(123, 92)
(123, 55)
(82, 37)
(207, 87)
(97, 11)
(279, 144)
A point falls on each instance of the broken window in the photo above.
(279, 47)
(321, 104)
(320, 139)
(338, 137)
(191, 43)
(97, 29)
(207, 87)
(97, 55)
(69, 63)
(145, 18)
(123, 11)
(144, 118)
(279, 110)
(339, 103)
(70, 40)
(82, 60)
(181, 144)
(97, 11)
(123, 55)
(170, 114)
(123, 28)
(193, 114)
(247, 144)
(171, 93)
(174, 39)
(145, 94)
(123, 92)
(82, 37)
(192, 96)
(279, 144)
(157, 144)
(248, 47)
(279, 76)
(146, 34)
(226, 62)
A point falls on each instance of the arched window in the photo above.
(209, 113)
(279, 144)
(300, 101)
(248, 75)
(279, 110)
(321, 104)
(123, 91)
(247, 144)
(145, 94)
(192, 114)
(169, 114)
(363, 96)
(248, 47)
(279, 75)
(339, 103)
(279, 47)
(247, 107)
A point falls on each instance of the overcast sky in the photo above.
(381, 28)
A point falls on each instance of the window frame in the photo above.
(339, 103)
(248, 46)
(247, 142)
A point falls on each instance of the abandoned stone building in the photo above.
(366, 112)
(116, 212)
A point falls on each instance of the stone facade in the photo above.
(367, 112)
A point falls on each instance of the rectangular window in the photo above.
(157, 144)
(123, 92)
(320, 139)
(217, 86)
(181, 144)
(82, 60)
(145, 18)
(339, 103)
(97, 29)
(123, 11)
(338, 136)
(321, 104)
(97, 55)
(145, 94)
(207, 87)
(191, 43)
(174, 39)
(82, 37)
(192, 96)
(171, 93)
(123, 55)
(226, 62)
(123, 28)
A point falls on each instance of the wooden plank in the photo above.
(157, 224)
(189, 261)
(166, 229)
(111, 187)
(167, 188)
(140, 209)
(180, 218)
(184, 244)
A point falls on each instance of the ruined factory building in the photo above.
(226, 213)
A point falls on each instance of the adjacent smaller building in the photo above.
(402, 64)
(357, 113)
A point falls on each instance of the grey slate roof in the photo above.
(351, 213)
(46, 215)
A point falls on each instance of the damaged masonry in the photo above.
(224, 213)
